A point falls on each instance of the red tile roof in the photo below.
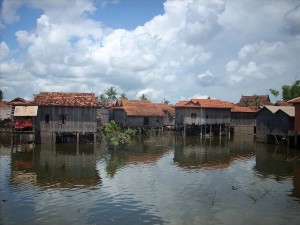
(19, 101)
(204, 103)
(66, 99)
(4, 105)
(166, 108)
(265, 99)
(283, 104)
(138, 108)
(242, 109)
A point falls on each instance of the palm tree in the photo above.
(257, 102)
(247, 103)
(165, 101)
(111, 94)
(143, 97)
(103, 98)
(123, 96)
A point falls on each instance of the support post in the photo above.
(95, 138)
(77, 138)
(220, 131)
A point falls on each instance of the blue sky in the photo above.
(169, 49)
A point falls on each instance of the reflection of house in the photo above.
(63, 115)
(66, 166)
(273, 121)
(137, 113)
(201, 112)
(243, 119)
(211, 153)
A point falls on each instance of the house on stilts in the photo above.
(65, 117)
(203, 116)
(296, 103)
(139, 114)
(275, 124)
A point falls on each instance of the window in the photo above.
(63, 118)
(193, 115)
(47, 118)
(146, 120)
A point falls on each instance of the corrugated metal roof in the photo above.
(26, 110)
(289, 110)
(295, 100)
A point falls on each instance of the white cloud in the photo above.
(4, 50)
(196, 46)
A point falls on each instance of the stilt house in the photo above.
(200, 113)
(137, 114)
(65, 115)
(243, 120)
(296, 103)
(273, 123)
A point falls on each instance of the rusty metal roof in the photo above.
(66, 99)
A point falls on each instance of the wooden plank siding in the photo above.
(78, 119)
(200, 116)
(240, 118)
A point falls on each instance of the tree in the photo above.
(123, 96)
(274, 92)
(143, 97)
(165, 101)
(290, 92)
(257, 102)
(1, 95)
(111, 94)
(247, 103)
(103, 98)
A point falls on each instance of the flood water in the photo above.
(160, 180)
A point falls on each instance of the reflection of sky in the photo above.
(159, 192)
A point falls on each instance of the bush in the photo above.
(116, 138)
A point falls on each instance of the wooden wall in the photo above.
(239, 118)
(78, 119)
(275, 124)
(297, 118)
(204, 115)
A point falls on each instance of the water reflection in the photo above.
(211, 153)
(55, 165)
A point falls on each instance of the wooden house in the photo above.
(137, 114)
(169, 114)
(296, 103)
(273, 123)
(203, 115)
(23, 114)
(65, 116)
(254, 101)
(243, 119)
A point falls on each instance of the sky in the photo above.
(173, 49)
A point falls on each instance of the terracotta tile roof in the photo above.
(19, 101)
(242, 109)
(138, 108)
(204, 103)
(283, 104)
(265, 99)
(295, 100)
(4, 105)
(166, 108)
(66, 99)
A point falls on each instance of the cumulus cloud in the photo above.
(292, 21)
(195, 48)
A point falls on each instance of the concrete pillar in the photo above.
(210, 130)
(95, 138)
(184, 130)
(201, 129)
(220, 131)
